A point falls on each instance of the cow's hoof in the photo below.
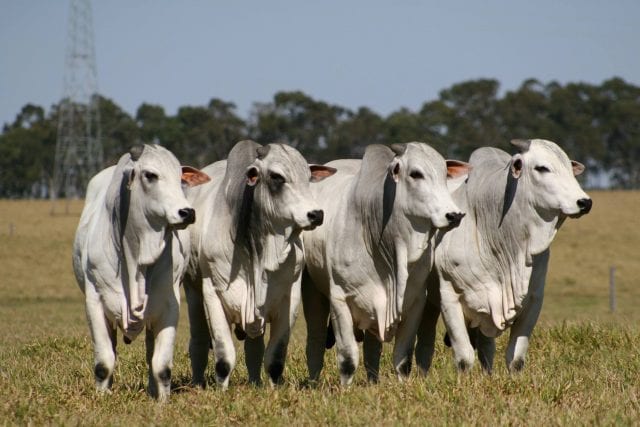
(223, 369)
(464, 365)
(346, 380)
(404, 369)
(275, 373)
(516, 365)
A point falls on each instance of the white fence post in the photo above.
(612, 289)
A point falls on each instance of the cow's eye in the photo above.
(542, 169)
(150, 176)
(416, 175)
(276, 178)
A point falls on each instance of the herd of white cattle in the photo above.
(375, 248)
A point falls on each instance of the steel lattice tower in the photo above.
(78, 148)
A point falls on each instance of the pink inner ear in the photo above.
(252, 176)
(319, 172)
(192, 176)
(456, 168)
(578, 167)
(516, 166)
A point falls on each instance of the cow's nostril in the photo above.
(188, 215)
(316, 216)
(454, 218)
(585, 205)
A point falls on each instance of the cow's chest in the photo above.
(266, 298)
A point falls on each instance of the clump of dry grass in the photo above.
(582, 366)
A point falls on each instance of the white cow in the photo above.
(249, 257)
(128, 257)
(491, 269)
(367, 266)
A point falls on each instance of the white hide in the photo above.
(249, 256)
(129, 255)
(515, 206)
(372, 257)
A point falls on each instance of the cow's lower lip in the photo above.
(309, 227)
(577, 215)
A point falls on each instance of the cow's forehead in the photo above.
(288, 159)
(158, 157)
(422, 154)
(549, 151)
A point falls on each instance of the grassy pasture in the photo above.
(583, 365)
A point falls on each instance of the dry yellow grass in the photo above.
(583, 365)
(581, 255)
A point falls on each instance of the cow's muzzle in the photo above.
(188, 216)
(316, 217)
(584, 205)
(454, 218)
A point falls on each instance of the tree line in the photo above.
(598, 125)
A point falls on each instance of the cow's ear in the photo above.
(320, 172)
(394, 170)
(578, 167)
(456, 168)
(516, 166)
(252, 176)
(192, 176)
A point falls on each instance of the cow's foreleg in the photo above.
(406, 336)
(523, 326)
(220, 329)
(103, 336)
(253, 356)
(280, 331)
(486, 347)
(276, 352)
(200, 338)
(371, 349)
(425, 344)
(454, 321)
(159, 342)
(346, 345)
(316, 315)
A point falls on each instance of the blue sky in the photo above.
(381, 54)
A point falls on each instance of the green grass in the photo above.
(583, 365)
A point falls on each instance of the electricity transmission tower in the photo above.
(78, 148)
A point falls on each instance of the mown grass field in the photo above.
(583, 365)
